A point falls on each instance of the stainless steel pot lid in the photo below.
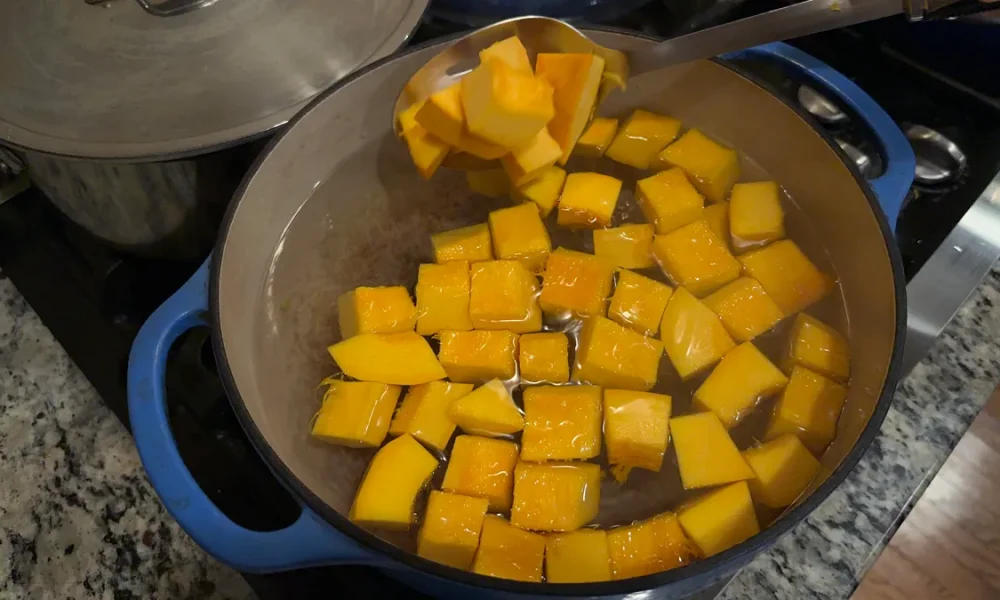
(154, 79)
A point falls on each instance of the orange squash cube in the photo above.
(492, 183)
(508, 552)
(355, 413)
(442, 115)
(450, 531)
(474, 356)
(784, 468)
(717, 217)
(787, 275)
(488, 411)
(720, 519)
(755, 214)
(375, 310)
(652, 546)
(597, 137)
(519, 234)
(544, 357)
(692, 335)
(638, 302)
(577, 557)
(738, 382)
(693, 257)
(635, 428)
(390, 358)
(818, 347)
(471, 244)
(627, 246)
(443, 297)
(424, 412)
(575, 283)
(575, 79)
(504, 295)
(527, 163)
(809, 407)
(509, 51)
(745, 308)
(612, 356)
(484, 468)
(504, 105)
(706, 455)
(642, 136)
(712, 167)
(427, 151)
(561, 423)
(669, 201)
(588, 200)
(389, 489)
(543, 190)
(555, 496)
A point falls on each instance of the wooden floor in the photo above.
(949, 545)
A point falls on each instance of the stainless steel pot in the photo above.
(335, 203)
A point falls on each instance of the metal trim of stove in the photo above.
(951, 274)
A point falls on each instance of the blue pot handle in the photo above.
(309, 541)
(890, 187)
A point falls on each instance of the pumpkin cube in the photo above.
(355, 413)
(473, 356)
(527, 163)
(597, 137)
(612, 356)
(638, 302)
(717, 217)
(489, 411)
(818, 347)
(492, 183)
(443, 297)
(576, 283)
(692, 335)
(544, 357)
(809, 407)
(787, 275)
(755, 214)
(669, 201)
(375, 310)
(575, 79)
(713, 168)
(442, 115)
(427, 151)
(588, 200)
(628, 246)
(424, 412)
(577, 557)
(706, 455)
(504, 295)
(408, 118)
(510, 51)
(508, 552)
(745, 308)
(720, 519)
(388, 491)
(641, 138)
(695, 258)
(561, 423)
(652, 546)
(504, 105)
(471, 244)
(390, 358)
(555, 496)
(519, 234)
(635, 428)
(737, 383)
(784, 468)
(484, 468)
(543, 190)
(450, 532)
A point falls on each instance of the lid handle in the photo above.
(166, 8)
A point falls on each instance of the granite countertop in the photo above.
(78, 518)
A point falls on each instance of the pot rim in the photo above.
(696, 575)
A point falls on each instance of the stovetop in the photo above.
(94, 299)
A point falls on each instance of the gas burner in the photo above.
(939, 160)
(820, 106)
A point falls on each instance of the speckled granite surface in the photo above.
(79, 520)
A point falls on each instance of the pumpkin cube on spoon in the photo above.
(642, 136)
(488, 411)
(588, 200)
(576, 283)
(561, 423)
(504, 295)
(509, 552)
(613, 356)
(544, 357)
(482, 467)
(509, 51)
(575, 80)
(443, 297)
(424, 412)
(451, 527)
(695, 258)
(477, 356)
(555, 496)
(504, 105)
(388, 491)
(427, 151)
(355, 413)
(442, 115)
(471, 244)
(627, 246)
(386, 309)
(742, 378)
(527, 163)
(712, 167)
(638, 302)
(519, 234)
(693, 336)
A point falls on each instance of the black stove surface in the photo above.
(94, 299)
